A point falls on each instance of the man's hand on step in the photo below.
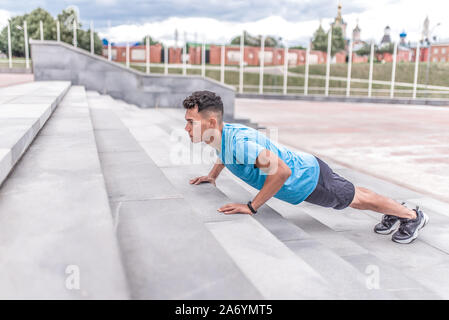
(202, 179)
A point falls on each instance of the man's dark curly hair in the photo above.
(206, 101)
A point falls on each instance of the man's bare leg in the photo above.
(365, 199)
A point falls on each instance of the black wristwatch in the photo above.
(251, 207)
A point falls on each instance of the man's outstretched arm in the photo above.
(277, 173)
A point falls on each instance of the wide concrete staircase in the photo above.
(100, 207)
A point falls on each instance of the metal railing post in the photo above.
(306, 76)
(393, 69)
(41, 29)
(328, 61)
(242, 53)
(415, 81)
(348, 81)
(25, 37)
(92, 37)
(9, 46)
(371, 64)
(147, 54)
(261, 63)
(58, 31)
(284, 86)
(222, 63)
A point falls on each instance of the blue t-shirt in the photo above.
(240, 147)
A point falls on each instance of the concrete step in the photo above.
(24, 109)
(167, 252)
(56, 234)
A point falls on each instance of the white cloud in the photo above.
(212, 30)
(106, 2)
(401, 15)
(214, 26)
(4, 16)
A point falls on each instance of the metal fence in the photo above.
(281, 79)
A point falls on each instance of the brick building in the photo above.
(136, 53)
(439, 52)
(252, 55)
(404, 54)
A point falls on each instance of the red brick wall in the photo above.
(440, 53)
(155, 53)
(215, 54)
(423, 54)
(359, 59)
(340, 57)
(403, 55)
(387, 57)
(321, 56)
(301, 56)
(174, 55)
(195, 55)
(251, 55)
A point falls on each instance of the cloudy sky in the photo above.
(219, 20)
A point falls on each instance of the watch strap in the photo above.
(251, 207)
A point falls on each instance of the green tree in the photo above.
(388, 48)
(152, 41)
(366, 50)
(319, 41)
(49, 31)
(253, 41)
(66, 18)
(33, 30)
(298, 47)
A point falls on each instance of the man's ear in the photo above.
(212, 122)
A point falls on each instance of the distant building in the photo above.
(137, 53)
(358, 44)
(356, 38)
(386, 39)
(403, 38)
(356, 33)
(439, 51)
(425, 31)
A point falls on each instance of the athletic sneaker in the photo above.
(388, 224)
(409, 228)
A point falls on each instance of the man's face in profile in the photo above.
(201, 126)
(196, 124)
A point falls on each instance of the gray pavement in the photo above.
(104, 188)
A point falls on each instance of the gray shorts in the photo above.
(332, 190)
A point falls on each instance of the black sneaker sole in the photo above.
(415, 234)
(388, 231)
